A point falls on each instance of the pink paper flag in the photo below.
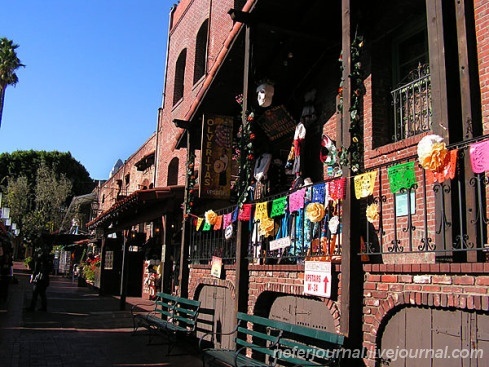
(227, 219)
(479, 156)
(296, 200)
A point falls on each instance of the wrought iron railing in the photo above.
(412, 104)
(427, 221)
(293, 240)
(430, 218)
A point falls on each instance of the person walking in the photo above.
(40, 281)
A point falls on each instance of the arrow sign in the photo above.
(317, 278)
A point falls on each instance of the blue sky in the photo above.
(93, 79)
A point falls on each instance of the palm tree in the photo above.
(9, 62)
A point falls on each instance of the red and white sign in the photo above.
(317, 278)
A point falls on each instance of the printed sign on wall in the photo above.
(215, 168)
(317, 278)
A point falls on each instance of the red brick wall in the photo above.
(187, 20)
(137, 178)
(286, 279)
(386, 287)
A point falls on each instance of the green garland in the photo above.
(352, 156)
(244, 154)
(190, 200)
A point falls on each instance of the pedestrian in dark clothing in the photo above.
(40, 281)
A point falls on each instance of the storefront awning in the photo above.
(141, 206)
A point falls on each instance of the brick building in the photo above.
(373, 98)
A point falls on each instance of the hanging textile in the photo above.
(261, 211)
(296, 200)
(218, 223)
(245, 212)
(401, 176)
(337, 188)
(198, 224)
(447, 171)
(235, 215)
(207, 226)
(227, 220)
(278, 207)
(479, 156)
(319, 193)
(364, 184)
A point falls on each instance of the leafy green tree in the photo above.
(9, 63)
(38, 187)
(26, 162)
(51, 194)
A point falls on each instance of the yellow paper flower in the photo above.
(267, 226)
(210, 217)
(432, 152)
(315, 212)
(372, 213)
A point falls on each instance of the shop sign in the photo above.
(277, 123)
(215, 168)
(216, 266)
(317, 278)
(279, 243)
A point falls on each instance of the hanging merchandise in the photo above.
(337, 188)
(319, 193)
(333, 224)
(315, 212)
(207, 227)
(296, 200)
(261, 211)
(479, 156)
(268, 227)
(218, 223)
(227, 220)
(265, 92)
(432, 152)
(294, 164)
(198, 223)
(447, 171)
(228, 232)
(299, 232)
(364, 184)
(278, 207)
(401, 176)
(328, 153)
(372, 212)
(261, 167)
(210, 217)
(245, 212)
(235, 215)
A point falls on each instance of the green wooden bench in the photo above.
(264, 342)
(172, 316)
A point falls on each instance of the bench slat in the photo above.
(292, 344)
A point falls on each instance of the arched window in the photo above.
(179, 76)
(172, 178)
(200, 51)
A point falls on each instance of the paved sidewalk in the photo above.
(80, 328)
